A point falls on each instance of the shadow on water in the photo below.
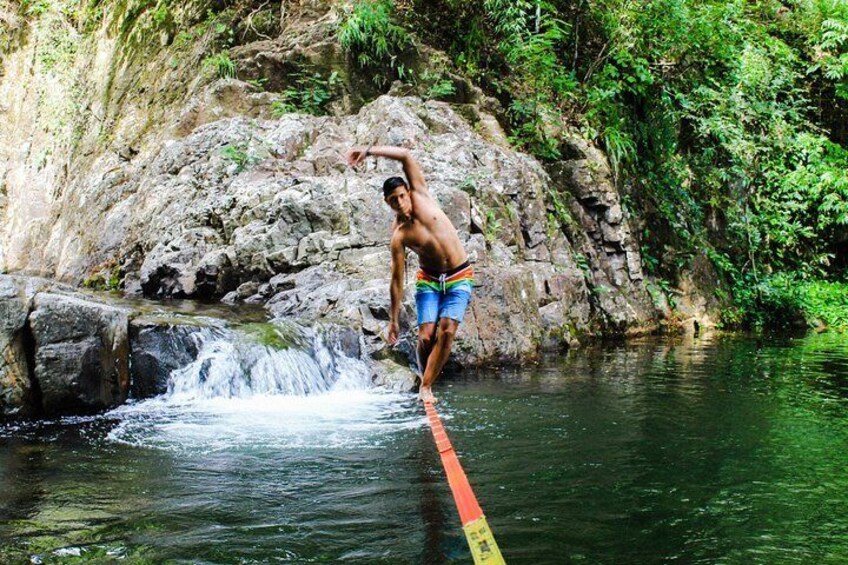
(21, 479)
(653, 451)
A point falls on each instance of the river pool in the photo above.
(729, 450)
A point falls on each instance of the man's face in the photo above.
(400, 202)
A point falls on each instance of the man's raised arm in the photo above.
(414, 176)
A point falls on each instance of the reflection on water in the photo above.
(732, 451)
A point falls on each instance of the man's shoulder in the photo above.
(397, 233)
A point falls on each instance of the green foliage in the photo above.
(215, 29)
(828, 31)
(781, 184)
(104, 280)
(35, 8)
(825, 303)
(835, 62)
(58, 43)
(492, 228)
(240, 155)
(443, 88)
(439, 84)
(662, 293)
(582, 263)
(161, 14)
(369, 33)
(221, 64)
(310, 92)
(258, 83)
(714, 112)
(619, 145)
(562, 215)
(538, 84)
(468, 184)
(787, 300)
(270, 335)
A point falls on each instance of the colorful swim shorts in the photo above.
(443, 294)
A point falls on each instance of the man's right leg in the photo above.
(426, 336)
(427, 305)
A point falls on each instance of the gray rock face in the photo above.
(81, 356)
(16, 387)
(600, 233)
(268, 206)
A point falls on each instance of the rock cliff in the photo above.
(123, 162)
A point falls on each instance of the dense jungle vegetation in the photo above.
(725, 123)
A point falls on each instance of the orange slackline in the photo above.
(480, 539)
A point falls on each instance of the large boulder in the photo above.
(81, 359)
(551, 267)
(266, 211)
(16, 386)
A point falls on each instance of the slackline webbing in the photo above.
(481, 541)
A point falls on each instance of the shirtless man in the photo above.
(445, 278)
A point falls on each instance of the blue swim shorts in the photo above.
(443, 295)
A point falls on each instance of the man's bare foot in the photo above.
(425, 394)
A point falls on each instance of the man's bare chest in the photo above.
(418, 235)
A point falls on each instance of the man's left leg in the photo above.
(438, 357)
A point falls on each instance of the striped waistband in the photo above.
(448, 273)
(445, 281)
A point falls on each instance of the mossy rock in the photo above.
(275, 336)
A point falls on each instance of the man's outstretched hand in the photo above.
(394, 330)
(355, 155)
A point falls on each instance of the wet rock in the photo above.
(157, 347)
(395, 377)
(342, 339)
(81, 359)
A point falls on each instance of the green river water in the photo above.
(731, 450)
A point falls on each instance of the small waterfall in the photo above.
(266, 360)
(265, 387)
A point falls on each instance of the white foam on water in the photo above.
(336, 419)
(239, 394)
